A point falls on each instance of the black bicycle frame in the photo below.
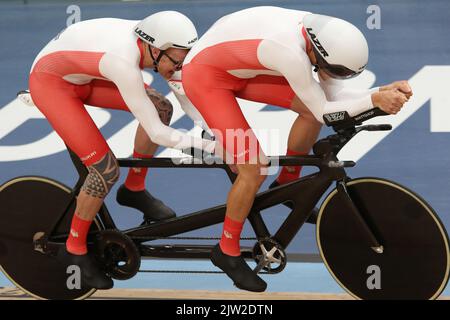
(304, 193)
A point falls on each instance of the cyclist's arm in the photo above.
(335, 90)
(295, 66)
(130, 83)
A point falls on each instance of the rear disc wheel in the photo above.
(28, 207)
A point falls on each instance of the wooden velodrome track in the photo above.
(10, 293)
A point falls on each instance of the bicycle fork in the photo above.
(367, 231)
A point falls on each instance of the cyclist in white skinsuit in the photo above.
(266, 54)
(98, 62)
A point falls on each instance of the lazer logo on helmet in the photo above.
(363, 67)
(193, 40)
(317, 42)
(144, 35)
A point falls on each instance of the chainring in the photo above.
(118, 254)
(268, 252)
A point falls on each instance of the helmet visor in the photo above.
(339, 72)
(335, 70)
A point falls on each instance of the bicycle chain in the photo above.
(181, 271)
(190, 272)
(182, 238)
(185, 271)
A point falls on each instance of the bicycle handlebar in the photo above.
(346, 127)
(375, 127)
(342, 120)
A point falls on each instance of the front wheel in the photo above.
(29, 206)
(415, 260)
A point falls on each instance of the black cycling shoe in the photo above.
(238, 270)
(152, 208)
(314, 212)
(91, 274)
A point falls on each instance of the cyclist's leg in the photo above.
(305, 129)
(105, 94)
(61, 103)
(276, 91)
(272, 90)
(133, 192)
(214, 98)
